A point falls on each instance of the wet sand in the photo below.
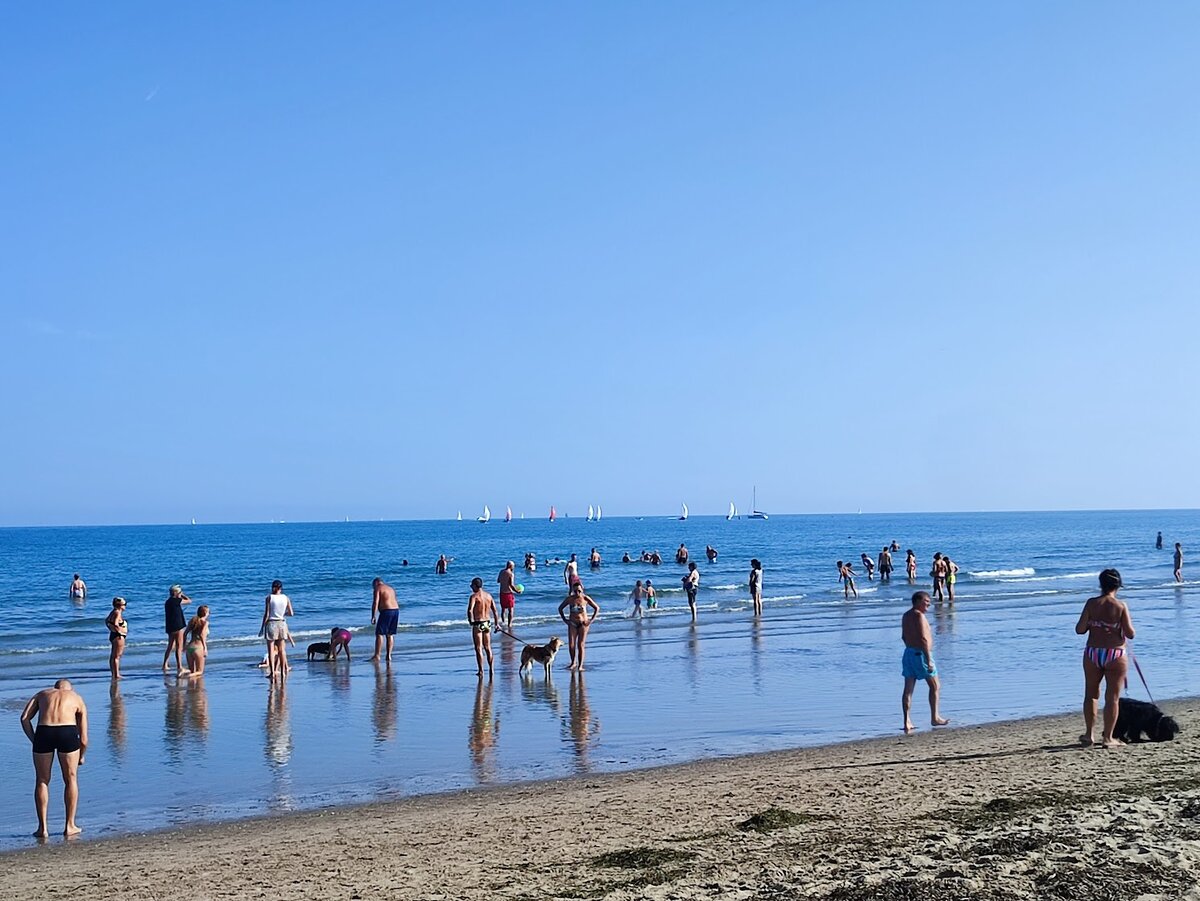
(1013, 810)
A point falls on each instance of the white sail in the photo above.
(683, 515)
(597, 512)
(508, 514)
(460, 515)
(732, 511)
(487, 514)
(591, 513)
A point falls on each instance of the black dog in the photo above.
(1136, 718)
(318, 647)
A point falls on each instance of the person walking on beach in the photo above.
(507, 581)
(197, 641)
(385, 616)
(62, 729)
(651, 597)
(118, 630)
(78, 590)
(691, 585)
(846, 577)
(276, 609)
(756, 586)
(1178, 562)
(910, 564)
(918, 660)
(869, 566)
(1105, 620)
(578, 622)
(481, 610)
(175, 624)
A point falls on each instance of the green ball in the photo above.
(520, 588)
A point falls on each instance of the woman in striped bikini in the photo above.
(1105, 621)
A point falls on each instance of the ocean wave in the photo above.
(1000, 573)
(721, 587)
(1088, 575)
(785, 597)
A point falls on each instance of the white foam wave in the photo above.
(721, 587)
(1000, 573)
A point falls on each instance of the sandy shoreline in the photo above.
(1008, 810)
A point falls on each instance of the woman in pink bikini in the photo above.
(1105, 621)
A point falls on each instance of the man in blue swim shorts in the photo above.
(918, 659)
(385, 615)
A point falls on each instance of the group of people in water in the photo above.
(944, 572)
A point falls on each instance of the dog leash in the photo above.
(1138, 667)
(514, 638)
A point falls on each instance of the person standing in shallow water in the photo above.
(118, 630)
(910, 565)
(918, 660)
(385, 616)
(481, 610)
(79, 588)
(62, 729)
(1158, 542)
(1178, 562)
(1105, 621)
(756, 586)
(175, 624)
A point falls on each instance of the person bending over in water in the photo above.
(62, 729)
(1105, 621)
(578, 622)
(118, 631)
(846, 576)
(481, 610)
(918, 660)
(385, 616)
(869, 566)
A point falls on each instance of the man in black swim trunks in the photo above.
(62, 729)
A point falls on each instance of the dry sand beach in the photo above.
(1015, 810)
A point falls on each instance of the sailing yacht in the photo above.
(683, 515)
(487, 514)
(732, 514)
(552, 513)
(755, 513)
(508, 514)
(591, 513)
(597, 512)
(460, 515)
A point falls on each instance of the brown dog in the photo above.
(542, 653)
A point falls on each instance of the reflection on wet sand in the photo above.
(508, 652)
(943, 619)
(197, 707)
(278, 730)
(175, 711)
(756, 654)
(383, 706)
(481, 738)
(579, 721)
(693, 654)
(116, 720)
(540, 689)
(339, 676)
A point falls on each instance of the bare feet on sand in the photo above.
(72, 830)
(940, 721)
(1113, 743)
(1086, 740)
(909, 728)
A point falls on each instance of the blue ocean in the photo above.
(815, 669)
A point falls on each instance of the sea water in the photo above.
(815, 669)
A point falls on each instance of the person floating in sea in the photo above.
(938, 572)
(651, 597)
(846, 577)
(1105, 620)
(62, 729)
(711, 553)
(691, 585)
(885, 565)
(507, 581)
(1158, 542)
(594, 559)
(571, 572)
(637, 595)
(1178, 562)
(385, 616)
(951, 577)
(869, 566)
(578, 622)
(918, 660)
(481, 610)
(910, 564)
(756, 586)
(118, 631)
(78, 589)
(175, 624)
(681, 555)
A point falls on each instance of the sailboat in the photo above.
(552, 513)
(487, 515)
(460, 515)
(193, 520)
(755, 513)
(732, 514)
(683, 515)
(591, 513)
(508, 514)
(597, 512)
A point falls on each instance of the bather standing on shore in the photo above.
(118, 631)
(481, 610)
(62, 729)
(691, 585)
(385, 615)
(1105, 620)
(918, 660)
(578, 622)
(1178, 562)
(276, 608)
(175, 624)
(756, 586)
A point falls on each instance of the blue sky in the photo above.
(301, 261)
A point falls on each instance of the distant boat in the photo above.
(194, 520)
(522, 516)
(597, 512)
(487, 515)
(732, 514)
(683, 515)
(508, 514)
(552, 513)
(591, 513)
(460, 515)
(755, 513)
